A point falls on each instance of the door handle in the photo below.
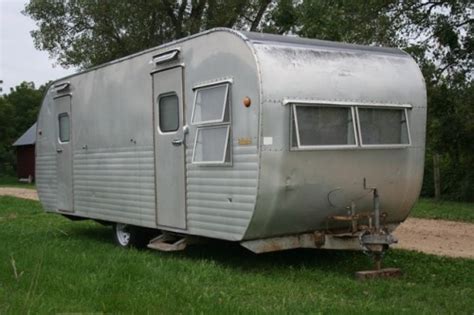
(59, 150)
(177, 142)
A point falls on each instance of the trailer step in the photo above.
(168, 243)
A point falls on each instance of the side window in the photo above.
(322, 126)
(210, 104)
(64, 127)
(168, 108)
(383, 126)
(318, 126)
(211, 115)
(211, 144)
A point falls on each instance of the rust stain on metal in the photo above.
(245, 141)
(319, 239)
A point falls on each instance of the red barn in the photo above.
(25, 154)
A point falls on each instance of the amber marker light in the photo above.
(247, 101)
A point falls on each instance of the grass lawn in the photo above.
(11, 181)
(446, 210)
(51, 265)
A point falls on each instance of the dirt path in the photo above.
(439, 237)
(19, 192)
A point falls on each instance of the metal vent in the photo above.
(165, 57)
(61, 86)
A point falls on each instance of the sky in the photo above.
(19, 59)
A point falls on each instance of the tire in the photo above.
(130, 236)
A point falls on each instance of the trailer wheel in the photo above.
(130, 236)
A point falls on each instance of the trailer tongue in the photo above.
(366, 232)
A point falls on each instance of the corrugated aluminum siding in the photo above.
(221, 200)
(115, 184)
(46, 179)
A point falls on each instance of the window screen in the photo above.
(169, 113)
(211, 145)
(210, 104)
(64, 127)
(323, 126)
(383, 126)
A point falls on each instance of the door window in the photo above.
(168, 107)
(64, 128)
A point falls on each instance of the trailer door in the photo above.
(169, 140)
(64, 153)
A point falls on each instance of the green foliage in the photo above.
(450, 133)
(6, 130)
(442, 29)
(18, 111)
(86, 33)
(52, 265)
(362, 22)
(26, 102)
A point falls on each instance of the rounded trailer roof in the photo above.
(262, 38)
(255, 38)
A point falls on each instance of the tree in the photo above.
(450, 133)
(6, 132)
(437, 32)
(18, 111)
(362, 22)
(25, 100)
(86, 33)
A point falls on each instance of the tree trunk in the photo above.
(263, 7)
(436, 175)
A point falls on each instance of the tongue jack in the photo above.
(376, 241)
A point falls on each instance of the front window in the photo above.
(383, 126)
(322, 126)
(333, 126)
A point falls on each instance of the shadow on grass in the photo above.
(90, 231)
(232, 255)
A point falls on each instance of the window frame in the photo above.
(227, 107)
(226, 147)
(294, 120)
(224, 107)
(384, 145)
(163, 95)
(354, 108)
(60, 115)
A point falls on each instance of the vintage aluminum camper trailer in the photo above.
(275, 142)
